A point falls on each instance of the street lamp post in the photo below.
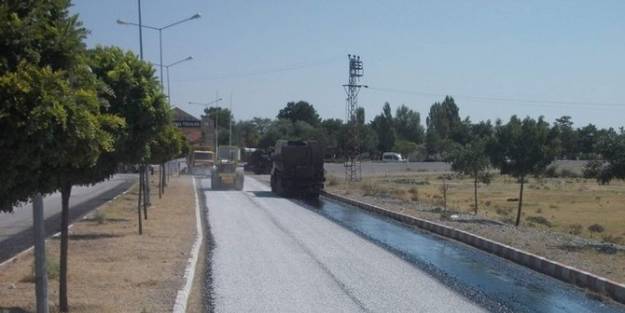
(160, 34)
(167, 66)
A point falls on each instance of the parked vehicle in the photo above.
(297, 169)
(392, 157)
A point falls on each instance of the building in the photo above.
(198, 132)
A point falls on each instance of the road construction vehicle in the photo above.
(297, 169)
(201, 159)
(226, 173)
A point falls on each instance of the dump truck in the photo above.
(297, 169)
(226, 174)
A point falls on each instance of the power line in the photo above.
(288, 68)
(536, 102)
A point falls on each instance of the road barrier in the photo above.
(540, 264)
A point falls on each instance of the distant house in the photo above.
(198, 132)
(189, 125)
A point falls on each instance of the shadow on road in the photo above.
(12, 310)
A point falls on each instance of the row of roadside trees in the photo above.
(71, 115)
(521, 148)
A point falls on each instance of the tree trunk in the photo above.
(164, 175)
(139, 199)
(41, 276)
(160, 181)
(475, 193)
(518, 214)
(66, 191)
(146, 191)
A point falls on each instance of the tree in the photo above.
(567, 137)
(586, 139)
(332, 129)
(131, 91)
(300, 111)
(443, 123)
(408, 125)
(383, 126)
(50, 107)
(521, 148)
(404, 147)
(167, 145)
(471, 159)
(247, 134)
(611, 147)
(223, 117)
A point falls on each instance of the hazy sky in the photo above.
(566, 57)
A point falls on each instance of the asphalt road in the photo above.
(16, 227)
(272, 255)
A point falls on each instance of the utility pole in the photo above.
(230, 124)
(41, 274)
(353, 170)
(217, 126)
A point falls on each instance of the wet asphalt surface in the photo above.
(271, 254)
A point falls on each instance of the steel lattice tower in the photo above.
(352, 88)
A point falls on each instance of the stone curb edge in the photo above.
(540, 264)
(182, 298)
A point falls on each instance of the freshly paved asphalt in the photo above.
(16, 227)
(272, 255)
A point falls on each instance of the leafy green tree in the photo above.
(443, 122)
(300, 111)
(472, 160)
(611, 147)
(167, 145)
(404, 147)
(247, 133)
(408, 125)
(360, 115)
(131, 91)
(224, 117)
(567, 137)
(333, 129)
(586, 139)
(521, 148)
(50, 107)
(383, 126)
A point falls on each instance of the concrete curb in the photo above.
(540, 264)
(182, 298)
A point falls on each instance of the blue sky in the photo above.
(567, 57)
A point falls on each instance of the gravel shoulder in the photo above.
(111, 267)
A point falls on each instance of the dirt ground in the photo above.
(557, 213)
(111, 267)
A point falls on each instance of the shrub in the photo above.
(551, 171)
(53, 269)
(596, 228)
(539, 220)
(575, 229)
(613, 239)
(374, 190)
(99, 217)
(592, 169)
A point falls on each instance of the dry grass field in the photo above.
(568, 205)
(112, 269)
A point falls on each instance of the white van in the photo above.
(392, 157)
